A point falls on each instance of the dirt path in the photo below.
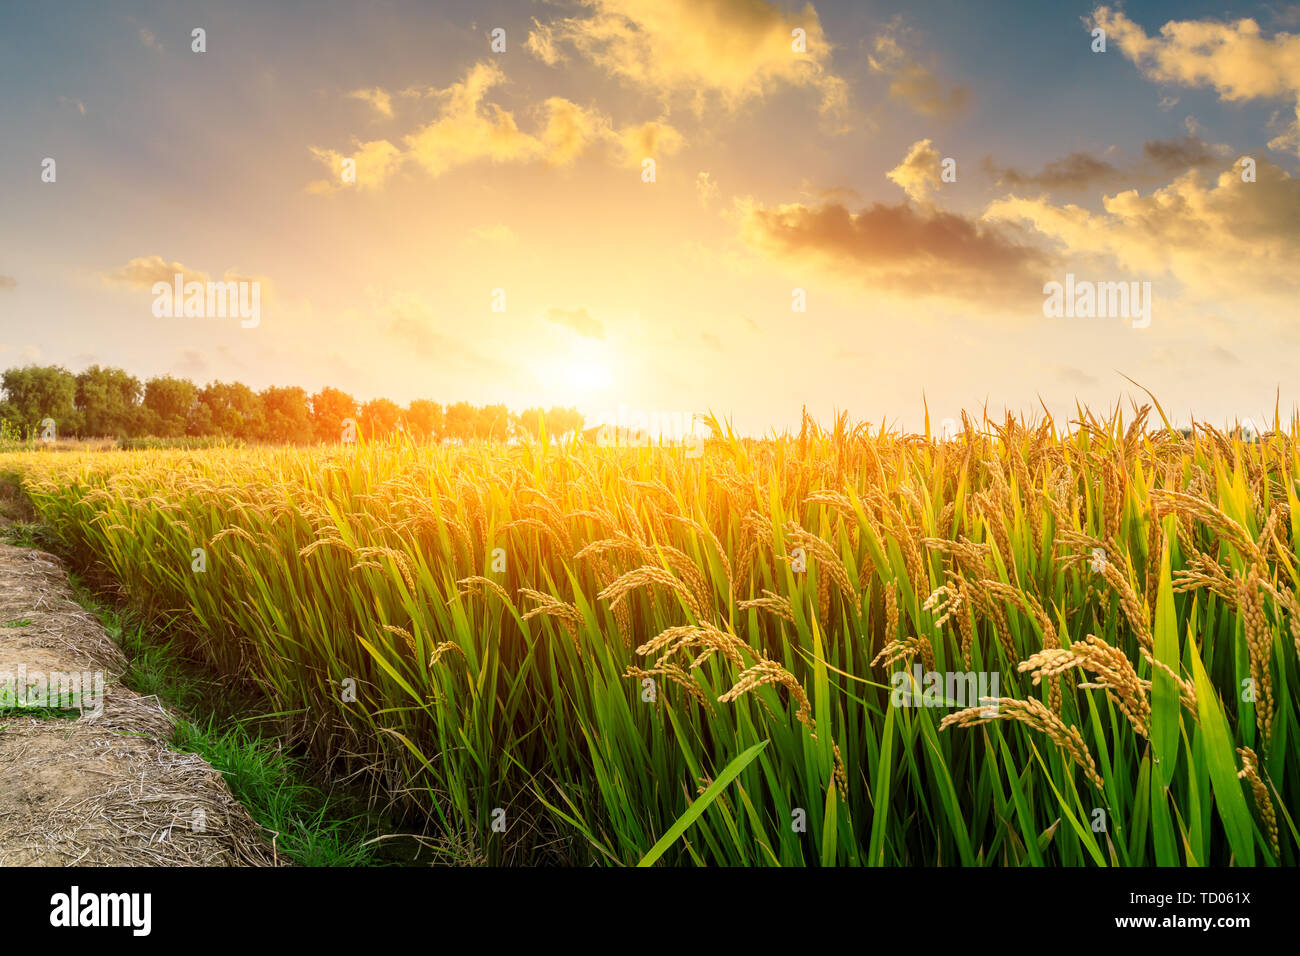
(99, 789)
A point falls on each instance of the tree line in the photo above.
(103, 401)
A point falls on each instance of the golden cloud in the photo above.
(705, 187)
(918, 174)
(143, 271)
(1220, 237)
(380, 100)
(914, 84)
(649, 140)
(732, 51)
(579, 320)
(497, 235)
(470, 129)
(1234, 58)
(900, 248)
(374, 163)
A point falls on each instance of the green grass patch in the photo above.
(41, 712)
(311, 824)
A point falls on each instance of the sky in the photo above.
(851, 206)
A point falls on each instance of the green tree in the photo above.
(287, 415)
(168, 403)
(231, 410)
(35, 393)
(108, 400)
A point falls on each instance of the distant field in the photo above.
(565, 653)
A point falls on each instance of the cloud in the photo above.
(469, 129)
(706, 187)
(191, 363)
(918, 174)
(569, 130)
(379, 99)
(412, 325)
(1074, 172)
(1233, 58)
(143, 271)
(1183, 153)
(652, 139)
(900, 248)
(1073, 375)
(1082, 170)
(1223, 356)
(8, 283)
(541, 44)
(579, 320)
(727, 51)
(30, 353)
(1219, 237)
(374, 164)
(914, 84)
(411, 322)
(148, 39)
(497, 235)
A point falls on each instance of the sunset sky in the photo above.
(774, 170)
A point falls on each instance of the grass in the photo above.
(311, 825)
(308, 823)
(24, 534)
(558, 653)
(41, 713)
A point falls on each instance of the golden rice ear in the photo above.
(979, 550)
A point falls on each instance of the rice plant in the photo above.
(558, 653)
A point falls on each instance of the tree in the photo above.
(461, 420)
(424, 419)
(558, 421)
(287, 415)
(168, 403)
(564, 420)
(231, 410)
(35, 393)
(379, 418)
(494, 422)
(329, 408)
(102, 401)
(109, 402)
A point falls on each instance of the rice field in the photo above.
(562, 654)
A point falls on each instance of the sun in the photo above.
(586, 366)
